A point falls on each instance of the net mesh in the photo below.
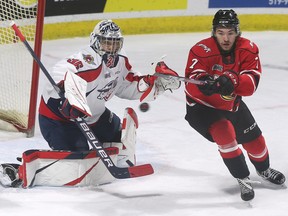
(15, 61)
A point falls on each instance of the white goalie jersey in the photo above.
(106, 76)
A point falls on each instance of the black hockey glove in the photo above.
(210, 87)
(227, 82)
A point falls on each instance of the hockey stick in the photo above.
(179, 78)
(162, 67)
(117, 172)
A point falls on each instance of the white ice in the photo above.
(190, 178)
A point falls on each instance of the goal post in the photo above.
(19, 72)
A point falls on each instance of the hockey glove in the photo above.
(169, 83)
(227, 82)
(65, 108)
(146, 82)
(210, 87)
(68, 111)
(146, 85)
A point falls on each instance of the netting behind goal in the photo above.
(19, 74)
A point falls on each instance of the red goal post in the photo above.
(19, 72)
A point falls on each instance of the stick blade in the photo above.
(131, 172)
(141, 170)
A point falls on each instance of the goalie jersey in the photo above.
(106, 76)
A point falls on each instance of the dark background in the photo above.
(70, 7)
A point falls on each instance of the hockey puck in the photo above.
(144, 107)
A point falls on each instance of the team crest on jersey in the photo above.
(217, 67)
(107, 90)
(206, 49)
(89, 59)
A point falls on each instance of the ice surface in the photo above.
(190, 178)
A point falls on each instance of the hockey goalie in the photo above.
(80, 85)
(66, 168)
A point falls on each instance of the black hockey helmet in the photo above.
(226, 19)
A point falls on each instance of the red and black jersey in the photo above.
(206, 58)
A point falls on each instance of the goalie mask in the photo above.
(106, 38)
(226, 19)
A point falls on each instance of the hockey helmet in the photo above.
(226, 19)
(106, 38)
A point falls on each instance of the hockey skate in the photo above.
(9, 175)
(272, 176)
(247, 192)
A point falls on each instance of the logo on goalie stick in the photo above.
(95, 143)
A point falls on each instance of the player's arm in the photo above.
(249, 76)
(74, 104)
(244, 82)
(196, 68)
(147, 87)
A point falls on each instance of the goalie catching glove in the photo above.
(74, 104)
(152, 86)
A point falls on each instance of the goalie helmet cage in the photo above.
(19, 72)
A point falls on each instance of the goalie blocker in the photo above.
(66, 168)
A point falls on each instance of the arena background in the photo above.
(77, 18)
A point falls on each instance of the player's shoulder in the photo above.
(88, 56)
(205, 48)
(123, 53)
(247, 45)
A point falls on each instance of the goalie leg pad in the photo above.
(65, 168)
(129, 126)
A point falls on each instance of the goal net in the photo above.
(19, 73)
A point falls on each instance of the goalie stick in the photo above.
(117, 172)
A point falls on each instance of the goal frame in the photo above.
(35, 69)
(22, 117)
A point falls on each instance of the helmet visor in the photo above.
(110, 45)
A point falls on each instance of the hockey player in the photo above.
(231, 65)
(102, 70)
